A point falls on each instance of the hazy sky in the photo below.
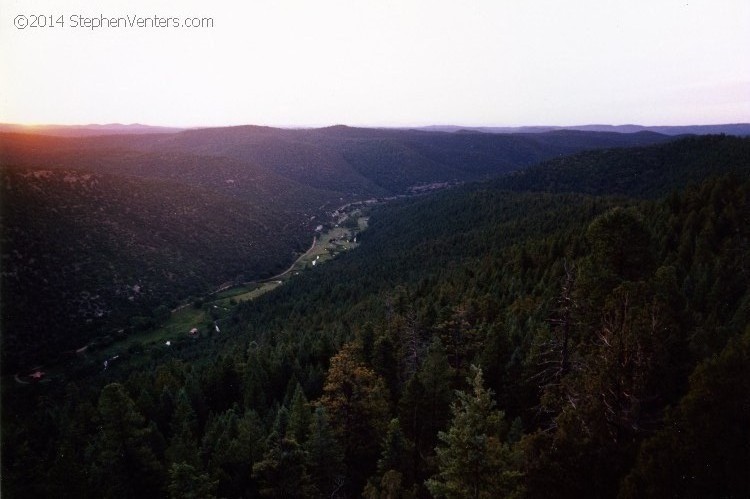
(379, 63)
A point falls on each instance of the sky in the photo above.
(376, 63)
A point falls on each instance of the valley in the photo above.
(191, 321)
(575, 302)
(106, 233)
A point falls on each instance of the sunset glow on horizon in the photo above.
(386, 63)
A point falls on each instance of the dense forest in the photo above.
(101, 235)
(554, 333)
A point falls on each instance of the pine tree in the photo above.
(393, 478)
(325, 457)
(704, 448)
(355, 400)
(281, 472)
(432, 409)
(230, 445)
(473, 461)
(300, 417)
(183, 447)
(67, 473)
(424, 409)
(281, 422)
(185, 482)
(395, 449)
(124, 465)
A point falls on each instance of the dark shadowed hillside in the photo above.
(351, 161)
(92, 253)
(177, 214)
(639, 172)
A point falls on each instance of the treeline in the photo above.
(478, 343)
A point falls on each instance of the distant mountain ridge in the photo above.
(740, 129)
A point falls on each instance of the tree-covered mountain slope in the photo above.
(177, 214)
(93, 253)
(650, 171)
(519, 344)
(356, 161)
(393, 160)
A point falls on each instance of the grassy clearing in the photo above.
(329, 245)
(176, 327)
(180, 323)
(230, 293)
(250, 294)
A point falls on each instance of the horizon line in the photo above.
(370, 126)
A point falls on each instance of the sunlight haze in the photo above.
(384, 63)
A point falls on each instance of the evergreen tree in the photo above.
(472, 460)
(124, 464)
(425, 410)
(185, 482)
(393, 478)
(355, 400)
(395, 449)
(385, 363)
(67, 475)
(704, 448)
(300, 417)
(281, 472)
(325, 457)
(231, 445)
(183, 447)
(281, 422)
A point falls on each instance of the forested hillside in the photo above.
(86, 255)
(355, 161)
(480, 342)
(101, 234)
(641, 172)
